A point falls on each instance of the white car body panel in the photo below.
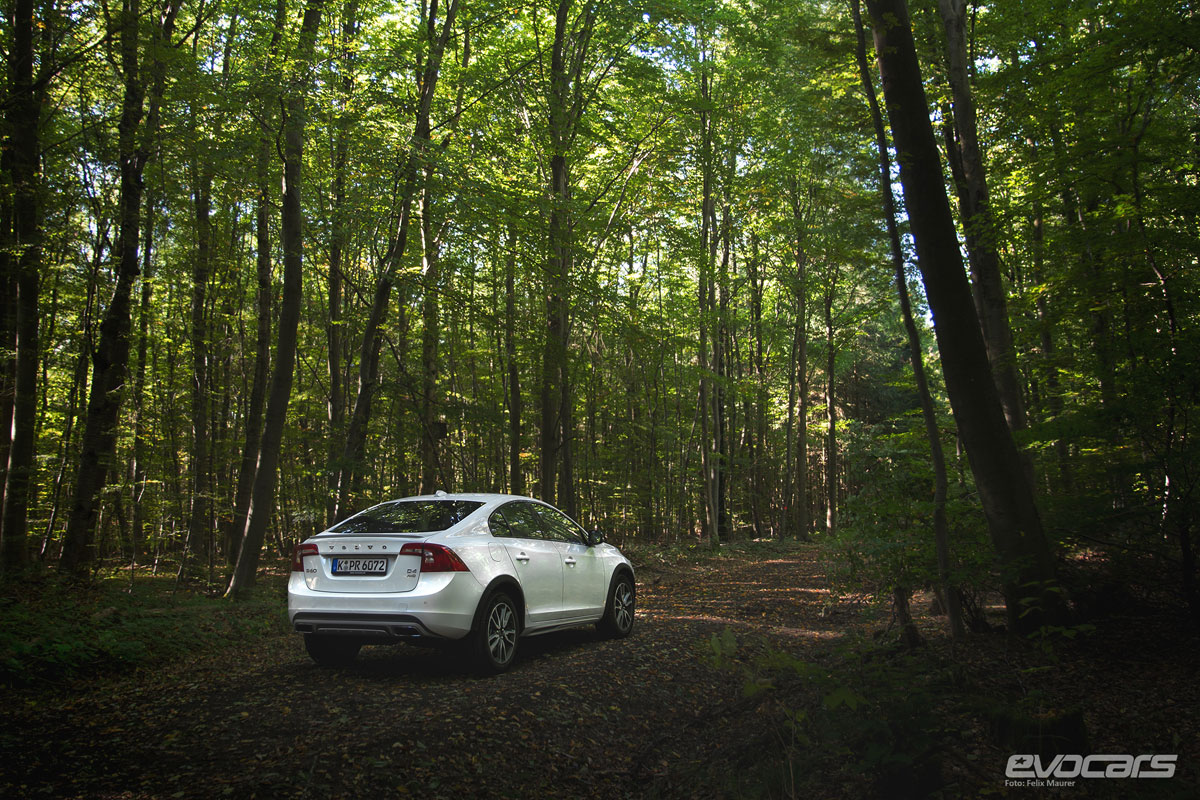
(560, 583)
(539, 567)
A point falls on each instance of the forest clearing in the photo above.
(655, 715)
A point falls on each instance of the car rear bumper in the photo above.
(373, 627)
(442, 606)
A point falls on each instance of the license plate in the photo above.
(359, 566)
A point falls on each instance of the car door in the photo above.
(584, 589)
(538, 560)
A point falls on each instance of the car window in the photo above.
(408, 516)
(498, 524)
(559, 526)
(523, 521)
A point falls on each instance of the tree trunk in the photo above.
(8, 325)
(336, 407)
(831, 453)
(565, 105)
(516, 478)
(24, 242)
(262, 502)
(137, 468)
(200, 519)
(941, 532)
(710, 527)
(354, 453)
(1028, 572)
(252, 439)
(1053, 393)
(759, 498)
(979, 228)
(110, 359)
(798, 379)
(721, 355)
(430, 333)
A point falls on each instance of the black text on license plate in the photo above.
(359, 566)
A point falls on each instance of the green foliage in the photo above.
(55, 630)
(1085, 118)
(867, 713)
(885, 536)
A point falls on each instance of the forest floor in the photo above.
(743, 678)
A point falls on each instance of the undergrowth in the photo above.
(54, 630)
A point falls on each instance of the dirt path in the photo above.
(578, 716)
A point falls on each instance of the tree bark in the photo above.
(1028, 572)
(353, 456)
(516, 477)
(262, 502)
(430, 334)
(979, 228)
(336, 407)
(200, 518)
(25, 243)
(252, 439)
(110, 359)
(941, 532)
(831, 453)
(710, 526)
(137, 468)
(565, 106)
(797, 488)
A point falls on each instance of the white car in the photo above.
(483, 569)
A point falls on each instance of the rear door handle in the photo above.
(570, 561)
(522, 557)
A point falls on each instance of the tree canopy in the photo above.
(265, 264)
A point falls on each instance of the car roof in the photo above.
(480, 497)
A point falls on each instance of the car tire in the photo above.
(617, 622)
(331, 651)
(494, 640)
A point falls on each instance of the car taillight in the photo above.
(299, 553)
(435, 557)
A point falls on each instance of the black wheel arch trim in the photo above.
(509, 585)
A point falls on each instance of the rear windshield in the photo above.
(408, 516)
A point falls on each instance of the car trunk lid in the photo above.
(363, 563)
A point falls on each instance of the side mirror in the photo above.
(594, 538)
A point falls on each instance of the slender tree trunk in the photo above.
(565, 105)
(430, 334)
(8, 324)
(516, 478)
(980, 231)
(1053, 393)
(831, 453)
(22, 152)
(759, 498)
(262, 502)
(801, 207)
(354, 453)
(137, 471)
(1027, 565)
(200, 518)
(941, 531)
(721, 356)
(252, 441)
(558, 257)
(110, 359)
(336, 408)
(710, 527)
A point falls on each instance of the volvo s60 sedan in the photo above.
(481, 569)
